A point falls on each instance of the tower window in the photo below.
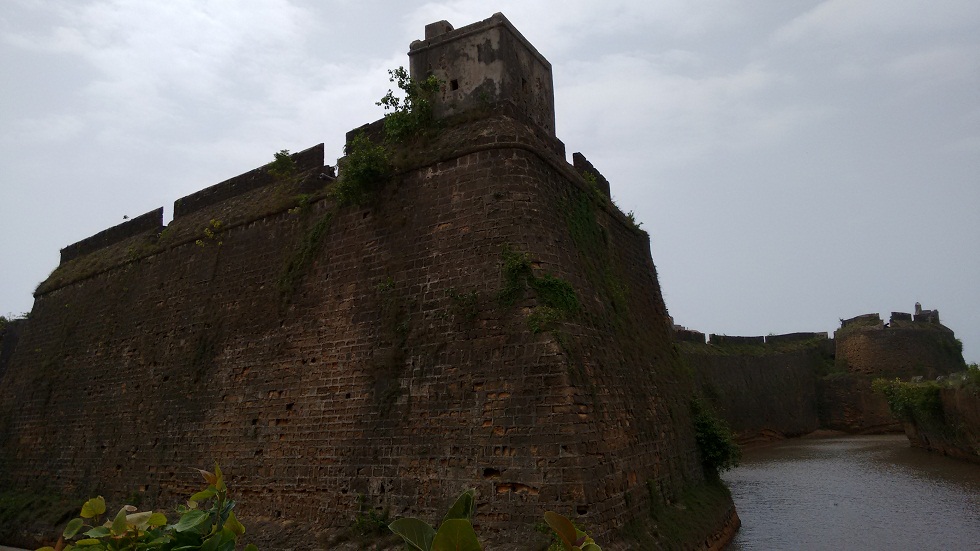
(454, 84)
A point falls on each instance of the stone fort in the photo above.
(335, 358)
(489, 319)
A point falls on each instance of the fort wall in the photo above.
(959, 434)
(784, 385)
(762, 391)
(384, 370)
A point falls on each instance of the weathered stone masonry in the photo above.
(387, 370)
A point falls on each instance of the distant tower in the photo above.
(484, 64)
(918, 308)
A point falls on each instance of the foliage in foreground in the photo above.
(456, 532)
(199, 528)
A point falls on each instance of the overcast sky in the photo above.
(794, 161)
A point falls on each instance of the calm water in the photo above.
(855, 493)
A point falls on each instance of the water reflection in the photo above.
(855, 492)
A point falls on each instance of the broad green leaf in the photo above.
(456, 535)
(463, 508)
(119, 523)
(98, 532)
(416, 533)
(87, 543)
(562, 526)
(191, 520)
(46, 549)
(204, 494)
(251, 547)
(93, 507)
(73, 528)
(212, 543)
(157, 519)
(591, 547)
(233, 525)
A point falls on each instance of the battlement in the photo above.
(920, 319)
(307, 159)
(589, 172)
(151, 221)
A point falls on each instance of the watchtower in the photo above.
(483, 64)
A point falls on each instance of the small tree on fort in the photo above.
(406, 116)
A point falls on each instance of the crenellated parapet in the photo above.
(233, 202)
(149, 222)
(906, 346)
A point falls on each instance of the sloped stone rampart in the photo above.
(389, 375)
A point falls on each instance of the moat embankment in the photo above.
(854, 492)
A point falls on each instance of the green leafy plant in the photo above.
(912, 402)
(303, 201)
(455, 533)
(210, 234)
(369, 521)
(632, 220)
(556, 296)
(718, 449)
(406, 116)
(364, 168)
(199, 528)
(283, 166)
(572, 539)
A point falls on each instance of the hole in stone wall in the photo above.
(289, 406)
(347, 396)
(582, 509)
(490, 473)
(454, 84)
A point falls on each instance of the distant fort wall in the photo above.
(785, 385)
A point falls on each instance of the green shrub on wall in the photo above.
(717, 447)
(912, 402)
(364, 169)
(407, 116)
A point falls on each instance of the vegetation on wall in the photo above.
(302, 257)
(556, 297)
(364, 168)
(406, 117)
(715, 442)
(210, 234)
(283, 166)
(918, 403)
